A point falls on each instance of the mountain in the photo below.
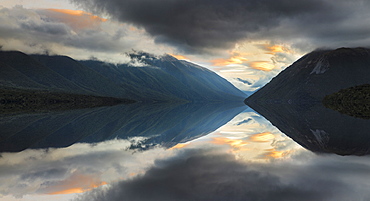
(160, 124)
(316, 75)
(162, 78)
(90, 81)
(18, 70)
(166, 76)
(292, 101)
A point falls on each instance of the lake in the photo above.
(219, 151)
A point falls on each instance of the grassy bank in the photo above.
(354, 101)
(17, 100)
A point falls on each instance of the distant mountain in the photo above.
(160, 124)
(292, 101)
(161, 78)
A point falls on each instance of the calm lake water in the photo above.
(224, 151)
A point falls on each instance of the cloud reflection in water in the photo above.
(195, 170)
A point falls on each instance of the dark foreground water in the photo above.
(185, 152)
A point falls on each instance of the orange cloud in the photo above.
(68, 191)
(77, 183)
(77, 19)
(273, 49)
(274, 154)
(77, 13)
(261, 65)
(236, 59)
(179, 146)
(276, 48)
(234, 143)
(262, 137)
(132, 28)
(179, 57)
(77, 189)
(67, 11)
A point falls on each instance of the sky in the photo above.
(247, 42)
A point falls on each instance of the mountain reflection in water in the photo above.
(318, 128)
(160, 124)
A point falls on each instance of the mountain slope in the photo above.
(161, 78)
(28, 73)
(166, 77)
(318, 74)
(80, 75)
(197, 83)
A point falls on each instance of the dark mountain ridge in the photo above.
(318, 74)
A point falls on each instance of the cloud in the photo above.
(244, 121)
(201, 25)
(262, 65)
(71, 32)
(235, 58)
(74, 169)
(76, 19)
(255, 78)
(209, 175)
(262, 137)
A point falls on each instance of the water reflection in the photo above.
(317, 128)
(78, 150)
(84, 166)
(157, 152)
(158, 124)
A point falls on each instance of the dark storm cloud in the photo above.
(207, 24)
(199, 175)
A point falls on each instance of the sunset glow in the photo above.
(262, 65)
(179, 57)
(262, 137)
(276, 48)
(77, 13)
(77, 183)
(272, 153)
(232, 60)
(179, 146)
(78, 189)
(237, 144)
(76, 19)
